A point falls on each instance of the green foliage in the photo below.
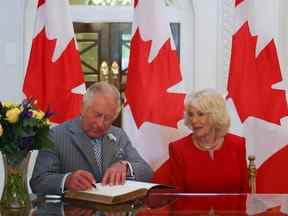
(22, 128)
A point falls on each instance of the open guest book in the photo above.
(129, 191)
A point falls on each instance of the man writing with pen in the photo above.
(88, 149)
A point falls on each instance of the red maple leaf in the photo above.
(270, 178)
(135, 3)
(147, 84)
(251, 79)
(237, 2)
(50, 83)
(40, 2)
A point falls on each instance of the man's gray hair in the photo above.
(101, 87)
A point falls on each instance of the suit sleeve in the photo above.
(141, 169)
(46, 177)
(176, 166)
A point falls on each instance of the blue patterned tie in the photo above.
(97, 147)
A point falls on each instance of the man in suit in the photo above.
(88, 149)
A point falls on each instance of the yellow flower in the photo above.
(8, 104)
(48, 122)
(38, 114)
(1, 130)
(13, 114)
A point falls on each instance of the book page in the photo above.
(116, 190)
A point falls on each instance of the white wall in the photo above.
(205, 43)
(283, 37)
(11, 46)
(16, 22)
(11, 56)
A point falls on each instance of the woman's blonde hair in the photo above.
(211, 102)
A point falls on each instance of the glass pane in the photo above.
(89, 57)
(125, 50)
(87, 36)
(89, 51)
(102, 2)
(170, 2)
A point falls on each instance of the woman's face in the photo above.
(200, 122)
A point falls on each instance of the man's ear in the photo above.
(82, 109)
(81, 113)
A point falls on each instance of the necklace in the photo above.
(207, 146)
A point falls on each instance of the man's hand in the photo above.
(115, 175)
(79, 180)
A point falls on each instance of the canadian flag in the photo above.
(153, 108)
(256, 91)
(54, 76)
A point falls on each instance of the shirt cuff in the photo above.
(130, 172)
(62, 188)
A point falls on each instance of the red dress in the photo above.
(192, 170)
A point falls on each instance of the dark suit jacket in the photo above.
(73, 150)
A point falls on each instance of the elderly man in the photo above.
(88, 149)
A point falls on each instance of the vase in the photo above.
(15, 193)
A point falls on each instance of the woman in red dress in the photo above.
(209, 160)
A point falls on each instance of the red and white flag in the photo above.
(54, 76)
(153, 108)
(256, 90)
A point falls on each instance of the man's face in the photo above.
(99, 115)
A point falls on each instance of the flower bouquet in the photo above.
(22, 128)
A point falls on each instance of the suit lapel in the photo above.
(82, 142)
(109, 151)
